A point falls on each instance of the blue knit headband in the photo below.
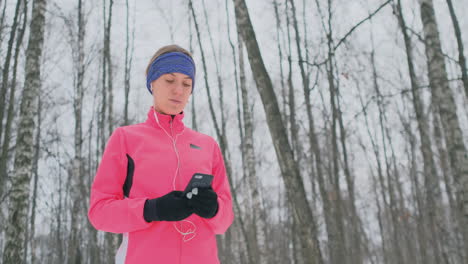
(168, 63)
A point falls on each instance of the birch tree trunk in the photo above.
(445, 105)
(18, 206)
(289, 168)
(31, 239)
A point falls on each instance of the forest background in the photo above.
(342, 123)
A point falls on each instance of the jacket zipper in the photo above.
(178, 161)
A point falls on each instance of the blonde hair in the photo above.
(167, 49)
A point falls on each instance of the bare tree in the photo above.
(443, 101)
(289, 168)
(18, 206)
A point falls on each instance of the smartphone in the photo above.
(199, 180)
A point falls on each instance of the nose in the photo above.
(178, 88)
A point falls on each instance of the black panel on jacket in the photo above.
(129, 179)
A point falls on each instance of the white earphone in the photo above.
(189, 231)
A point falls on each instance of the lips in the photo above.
(175, 101)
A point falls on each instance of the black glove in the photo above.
(204, 202)
(170, 207)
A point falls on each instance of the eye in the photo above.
(169, 81)
(187, 84)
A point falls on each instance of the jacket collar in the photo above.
(165, 121)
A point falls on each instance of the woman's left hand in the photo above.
(204, 202)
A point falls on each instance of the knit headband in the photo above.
(168, 63)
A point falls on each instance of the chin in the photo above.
(174, 112)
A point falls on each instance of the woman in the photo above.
(145, 167)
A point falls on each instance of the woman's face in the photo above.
(171, 92)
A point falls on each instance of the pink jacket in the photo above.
(146, 161)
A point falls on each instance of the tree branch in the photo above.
(358, 24)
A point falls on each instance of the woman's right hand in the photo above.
(170, 207)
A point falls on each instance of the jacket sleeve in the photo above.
(225, 216)
(108, 209)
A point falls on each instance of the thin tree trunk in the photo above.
(111, 240)
(355, 245)
(375, 184)
(445, 104)
(289, 168)
(218, 73)
(101, 135)
(3, 94)
(416, 191)
(128, 60)
(93, 248)
(11, 105)
(207, 86)
(18, 206)
(2, 21)
(58, 231)
(280, 57)
(6, 68)
(107, 49)
(77, 175)
(297, 145)
(383, 212)
(461, 54)
(194, 112)
(386, 133)
(294, 128)
(338, 246)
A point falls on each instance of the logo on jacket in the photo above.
(194, 146)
